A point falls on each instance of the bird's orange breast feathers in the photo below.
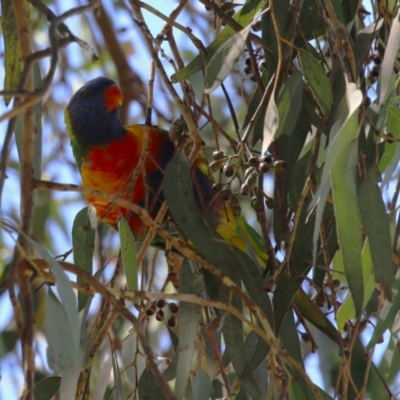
(117, 169)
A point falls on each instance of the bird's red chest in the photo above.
(118, 169)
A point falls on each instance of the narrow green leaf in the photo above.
(12, 48)
(83, 238)
(376, 224)
(343, 131)
(47, 388)
(317, 79)
(129, 254)
(201, 385)
(289, 104)
(103, 378)
(290, 340)
(224, 59)
(190, 282)
(148, 387)
(62, 348)
(348, 219)
(392, 48)
(271, 123)
(243, 17)
(119, 393)
(8, 339)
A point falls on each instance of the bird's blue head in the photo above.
(92, 115)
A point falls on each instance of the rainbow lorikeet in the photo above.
(108, 156)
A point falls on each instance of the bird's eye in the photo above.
(86, 93)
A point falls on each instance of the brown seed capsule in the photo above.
(378, 60)
(362, 326)
(269, 202)
(270, 285)
(248, 70)
(226, 194)
(228, 6)
(160, 315)
(248, 171)
(261, 64)
(266, 158)
(254, 161)
(173, 307)
(375, 71)
(258, 205)
(367, 101)
(218, 155)
(150, 311)
(234, 201)
(228, 170)
(346, 327)
(280, 165)
(247, 61)
(216, 165)
(263, 168)
(245, 189)
(256, 26)
(161, 303)
(217, 186)
(305, 337)
(171, 321)
(321, 299)
(389, 137)
(336, 284)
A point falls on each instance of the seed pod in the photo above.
(234, 201)
(256, 27)
(321, 299)
(269, 202)
(171, 321)
(266, 158)
(228, 170)
(280, 165)
(258, 205)
(160, 315)
(389, 137)
(378, 60)
(375, 71)
(362, 326)
(228, 6)
(216, 165)
(336, 284)
(254, 161)
(270, 285)
(161, 303)
(217, 186)
(245, 189)
(247, 61)
(263, 168)
(150, 311)
(367, 101)
(248, 171)
(218, 155)
(305, 337)
(173, 307)
(226, 194)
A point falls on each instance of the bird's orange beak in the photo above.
(112, 97)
